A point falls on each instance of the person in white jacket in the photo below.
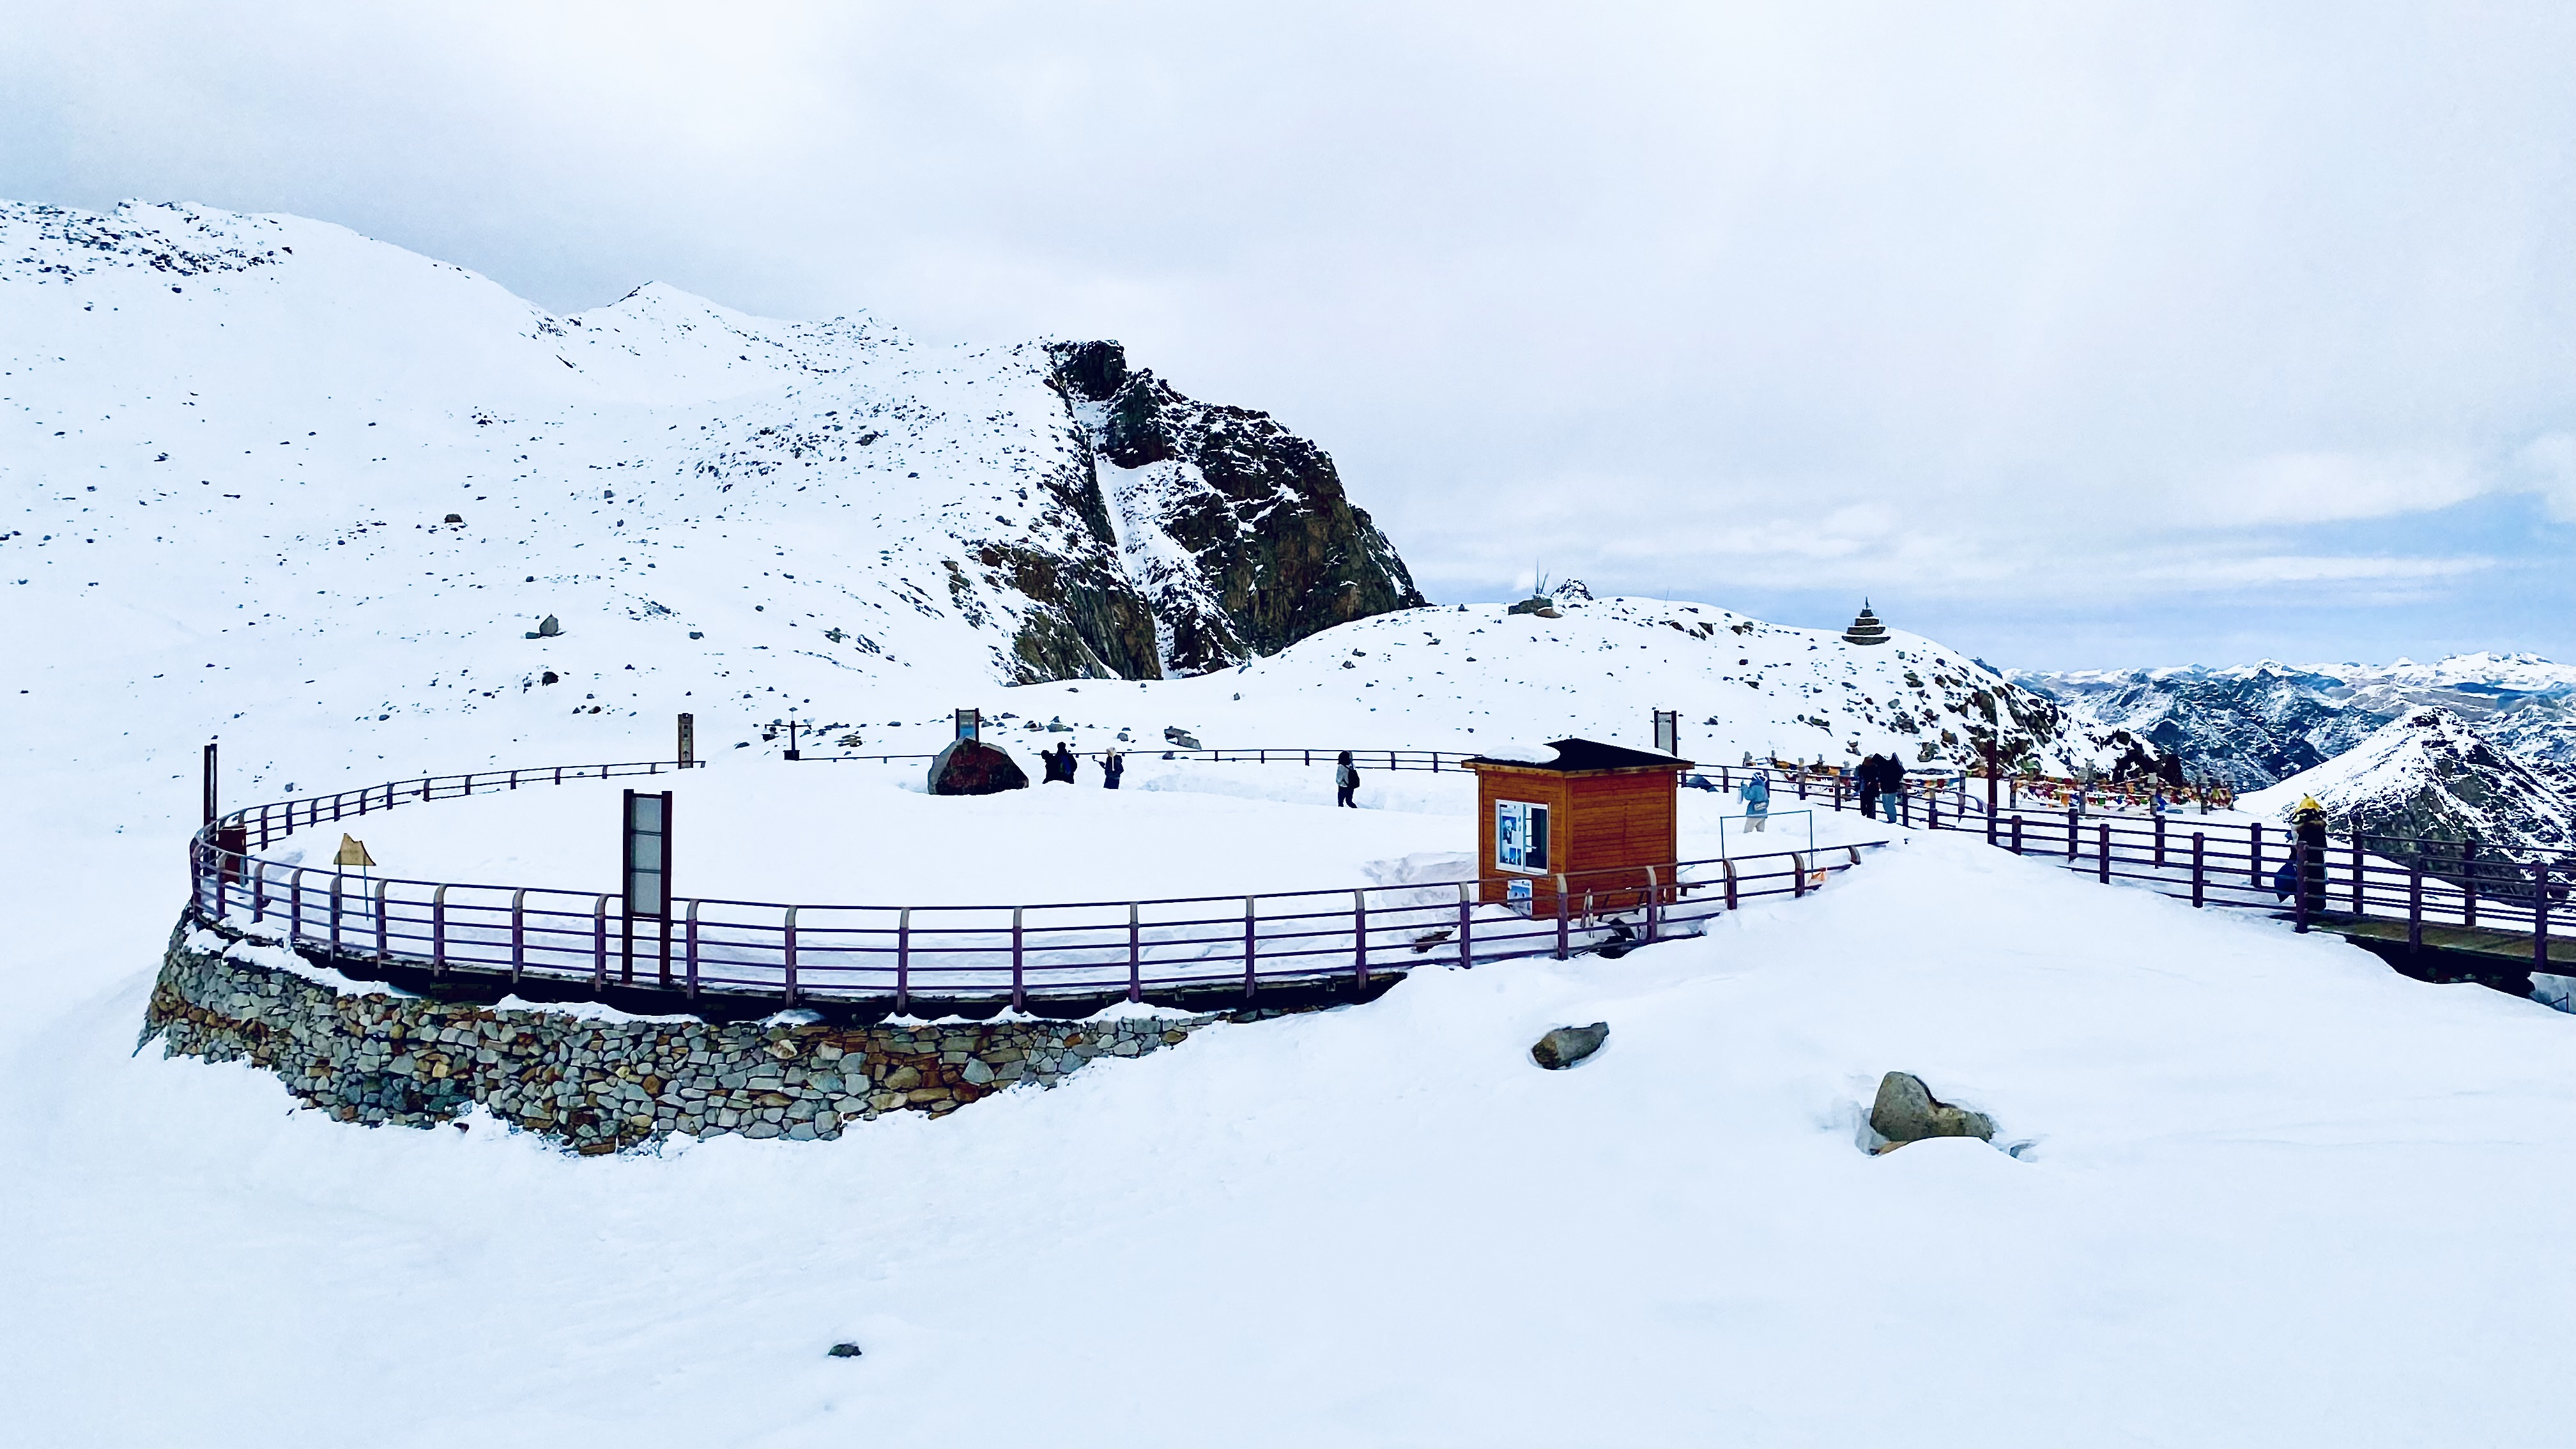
(1346, 779)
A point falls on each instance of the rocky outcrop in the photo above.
(1236, 531)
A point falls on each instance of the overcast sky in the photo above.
(2072, 335)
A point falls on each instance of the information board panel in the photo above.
(648, 853)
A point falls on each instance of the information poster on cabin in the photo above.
(1520, 836)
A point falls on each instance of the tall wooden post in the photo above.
(209, 782)
(688, 745)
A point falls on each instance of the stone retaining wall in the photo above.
(596, 1085)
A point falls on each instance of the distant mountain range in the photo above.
(2259, 724)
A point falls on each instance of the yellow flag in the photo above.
(352, 852)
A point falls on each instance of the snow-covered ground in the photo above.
(866, 833)
(2270, 1193)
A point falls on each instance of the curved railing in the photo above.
(793, 952)
(796, 952)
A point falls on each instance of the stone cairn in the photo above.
(1865, 629)
(598, 1086)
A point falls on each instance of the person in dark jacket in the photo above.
(2310, 822)
(1059, 763)
(1346, 781)
(1113, 768)
(1891, 788)
(1868, 777)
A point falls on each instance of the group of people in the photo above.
(1882, 779)
(1061, 761)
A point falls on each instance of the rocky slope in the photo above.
(1236, 530)
(2430, 775)
(268, 398)
(2255, 725)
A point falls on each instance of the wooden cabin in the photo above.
(1596, 815)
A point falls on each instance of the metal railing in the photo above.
(795, 952)
(1433, 760)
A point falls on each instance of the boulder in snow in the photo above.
(1568, 1045)
(969, 767)
(1906, 1111)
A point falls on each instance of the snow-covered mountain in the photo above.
(295, 424)
(271, 479)
(2257, 724)
(2430, 775)
(1457, 676)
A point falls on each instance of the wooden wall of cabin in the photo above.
(1619, 824)
(1615, 823)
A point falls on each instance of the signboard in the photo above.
(688, 740)
(1520, 837)
(648, 854)
(970, 724)
(1668, 731)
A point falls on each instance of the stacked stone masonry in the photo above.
(599, 1086)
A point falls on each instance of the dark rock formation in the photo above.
(1906, 1111)
(969, 767)
(1568, 1045)
(1273, 549)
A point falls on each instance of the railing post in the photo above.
(336, 878)
(2016, 835)
(692, 948)
(1654, 899)
(599, 945)
(2414, 911)
(438, 932)
(294, 908)
(1561, 923)
(2105, 843)
(381, 953)
(1466, 924)
(2254, 852)
(258, 890)
(1359, 938)
(2199, 881)
(1729, 863)
(2360, 892)
(1248, 948)
(2299, 885)
(1135, 954)
(1019, 985)
(518, 933)
(2160, 842)
(1797, 876)
(791, 957)
(2074, 823)
(2540, 915)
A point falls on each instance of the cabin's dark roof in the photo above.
(1574, 755)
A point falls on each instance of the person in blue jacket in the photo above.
(1756, 795)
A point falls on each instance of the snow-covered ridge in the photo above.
(220, 399)
(2429, 775)
(2259, 723)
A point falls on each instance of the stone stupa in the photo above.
(1866, 629)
